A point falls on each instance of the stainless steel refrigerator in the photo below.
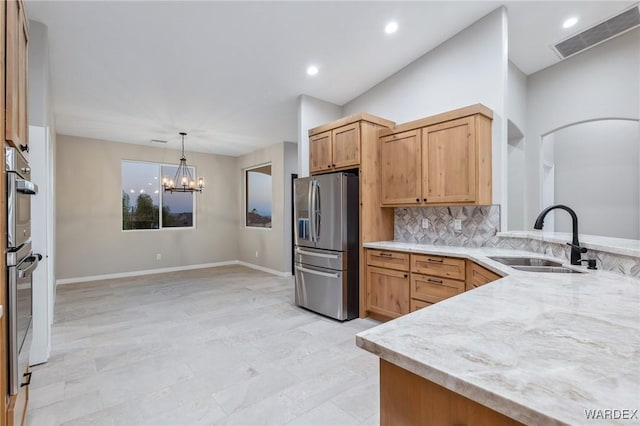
(326, 244)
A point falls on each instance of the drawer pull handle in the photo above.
(386, 254)
(435, 260)
(433, 280)
(405, 275)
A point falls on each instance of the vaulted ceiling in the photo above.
(229, 73)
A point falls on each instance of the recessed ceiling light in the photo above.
(391, 28)
(312, 70)
(570, 22)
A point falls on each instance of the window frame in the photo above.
(160, 199)
(245, 195)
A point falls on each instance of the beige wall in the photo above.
(90, 240)
(272, 245)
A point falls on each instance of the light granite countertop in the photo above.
(541, 348)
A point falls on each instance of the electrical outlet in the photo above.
(158, 256)
(425, 223)
(457, 224)
(256, 253)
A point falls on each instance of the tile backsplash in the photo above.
(479, 225)
(621, 264)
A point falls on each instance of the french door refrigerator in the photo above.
(326, 244)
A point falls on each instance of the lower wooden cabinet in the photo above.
(433, 289)
(388, 259)
(408, 399)
(387, 292)
(17, 406)
(418, 304)
(478, 276)
(440, 266)
(398, 283)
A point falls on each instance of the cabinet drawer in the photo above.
(434, 289)
(388, 259)
(438, 266)
(478, 276)
(418, 304)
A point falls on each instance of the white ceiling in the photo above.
(229, 73)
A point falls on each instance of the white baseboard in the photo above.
(263, 269)
(64, 281)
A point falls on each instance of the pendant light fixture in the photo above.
(182, 181)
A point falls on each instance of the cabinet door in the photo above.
(400, 169)
(478, 276)
(449, 162)
(387, 292)
(16, 129)
(17, 407)
(419, 304)
(346, 146)
(320, 152)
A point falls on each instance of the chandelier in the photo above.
(183, 181)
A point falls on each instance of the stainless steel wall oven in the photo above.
(20, 265)
(21, 262)
(19, 192)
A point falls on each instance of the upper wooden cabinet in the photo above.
(320, 158)
(401, 168)
(335, 149)
(439, 160)
(16, 128)
(338, 145)
(345, 146)
(449, 162)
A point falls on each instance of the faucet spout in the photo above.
(576, 250)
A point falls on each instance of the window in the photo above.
(143, 198)
(258, 196)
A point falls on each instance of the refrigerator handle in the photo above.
(316, 211)
(313, 253)
(310, 209)
(314, 272)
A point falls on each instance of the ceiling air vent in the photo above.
(157, 141)
(612, 27)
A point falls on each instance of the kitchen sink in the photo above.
(551, 269)
(525, 261)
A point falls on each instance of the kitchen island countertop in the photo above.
(542, 348)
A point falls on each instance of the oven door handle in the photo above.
(33, 264)
(26, 187)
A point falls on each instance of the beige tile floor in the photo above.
(211, 346)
